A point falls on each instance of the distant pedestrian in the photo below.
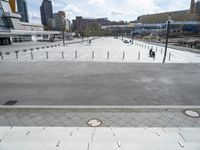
(150, 52)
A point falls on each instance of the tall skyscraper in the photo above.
(21, 8)
(46, 12)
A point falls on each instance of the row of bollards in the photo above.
(144, 45)
(153, 48)
(76, 55)
(43, 47)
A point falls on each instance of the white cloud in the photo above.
(116, 13)
(144, 7)
(97, 2)
(113, 9)
(34, 17)
(72, 11)
(72, 8)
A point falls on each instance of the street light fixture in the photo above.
(167, 37)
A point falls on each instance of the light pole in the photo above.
(167, 37)
(132, 34)
(63, 21)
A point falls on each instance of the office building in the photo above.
(81, 24)
(187, 21)
(23, 10)
(183, 15)
(60, 22)
(46, 11)
(13, 30)
(20, 6)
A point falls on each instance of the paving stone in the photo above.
(2, 117)
(37, 119)
(135, 123)
(162, 121)
(176, 121)
(13, 122)
(70, 115)
(107, 115)
(4, 122)
(46, 117)
(57, 114)
(94, 115)
(56, 122)
(142, 125)
(107, 122)
(28, 123)
(82, 115)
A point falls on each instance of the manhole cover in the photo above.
(94, 123)
(191, 113)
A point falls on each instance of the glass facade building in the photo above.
(3, 21)
(23, 10)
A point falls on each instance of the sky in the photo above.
(115, 10)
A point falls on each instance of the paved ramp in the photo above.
(40, 138)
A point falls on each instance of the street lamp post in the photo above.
(167, 37)
(132, 34)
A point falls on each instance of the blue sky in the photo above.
(127, 10)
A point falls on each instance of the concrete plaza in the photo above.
(65, 83)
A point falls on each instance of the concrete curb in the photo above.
(97, 107)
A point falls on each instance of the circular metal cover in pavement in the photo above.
(94, 123)
(192, 113)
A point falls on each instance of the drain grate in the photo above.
(94, 123)
(191, 113)
(10, 102)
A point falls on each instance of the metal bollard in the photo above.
(76, 54)
(108, 55)
(31, 55)
(123, 56)
(93, 55)
(170, 56)
(63, 55)
(1, 55)
(138, 55)
(16, 52)
(47, 55)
